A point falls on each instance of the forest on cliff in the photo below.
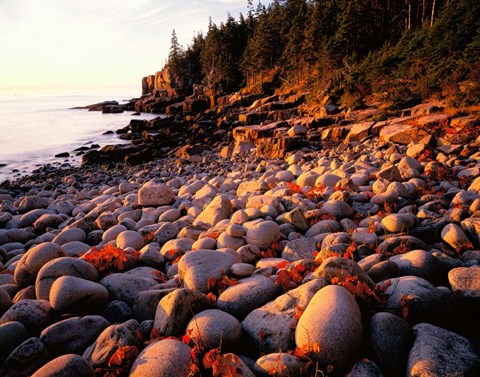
(399, 51)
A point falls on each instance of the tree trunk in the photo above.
(423, 11)
(409, 25)
(433, 13)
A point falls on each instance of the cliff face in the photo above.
(160, 81)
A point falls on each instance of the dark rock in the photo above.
(439, 352)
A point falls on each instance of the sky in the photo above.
(95, 46)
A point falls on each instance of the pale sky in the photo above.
(95, 46)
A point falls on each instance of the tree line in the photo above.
(299, 38)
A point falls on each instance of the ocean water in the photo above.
(33, 129)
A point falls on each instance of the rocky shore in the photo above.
(257, 238)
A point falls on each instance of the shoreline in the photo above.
(271, 228)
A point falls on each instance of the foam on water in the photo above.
(34, 129)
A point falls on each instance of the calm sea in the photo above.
(34, 129)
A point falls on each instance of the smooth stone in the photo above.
(391, 339)
(130, 238)
(301, 248)
(271, 327)
(153, 194)
(242, 269)
(364, 236)
(249, 294)
(177, 308)
(465, 282)
(33, 260)
(213, 328)
(69, 235)
(165, 232)
(338, 267)
(324, 226)
(116, 311)
(177, 247)
(263, 234)
(327, 179)
(166, 358)
(220, 208)
(112, 233)
(236, 230)
(5, 301)
(225, 240)
(249, 253)
(396, 223)
(337, 208)
(64, 266)
(439, 352)
(112, 338)
(170, 216)
(454, 236)
(279, 364)
(146, 303)
(364, 368)
(73, 335)
(12, 334)
(256, 187)
(150, 255)
(197, 267)
(25, 359)
(66, 366)
(417, 300)
(420, 263)
(125, 286)
(47, 221)
(35, 315)
(383, 270)
(75, 248)
(332, 320)
(70, 293)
